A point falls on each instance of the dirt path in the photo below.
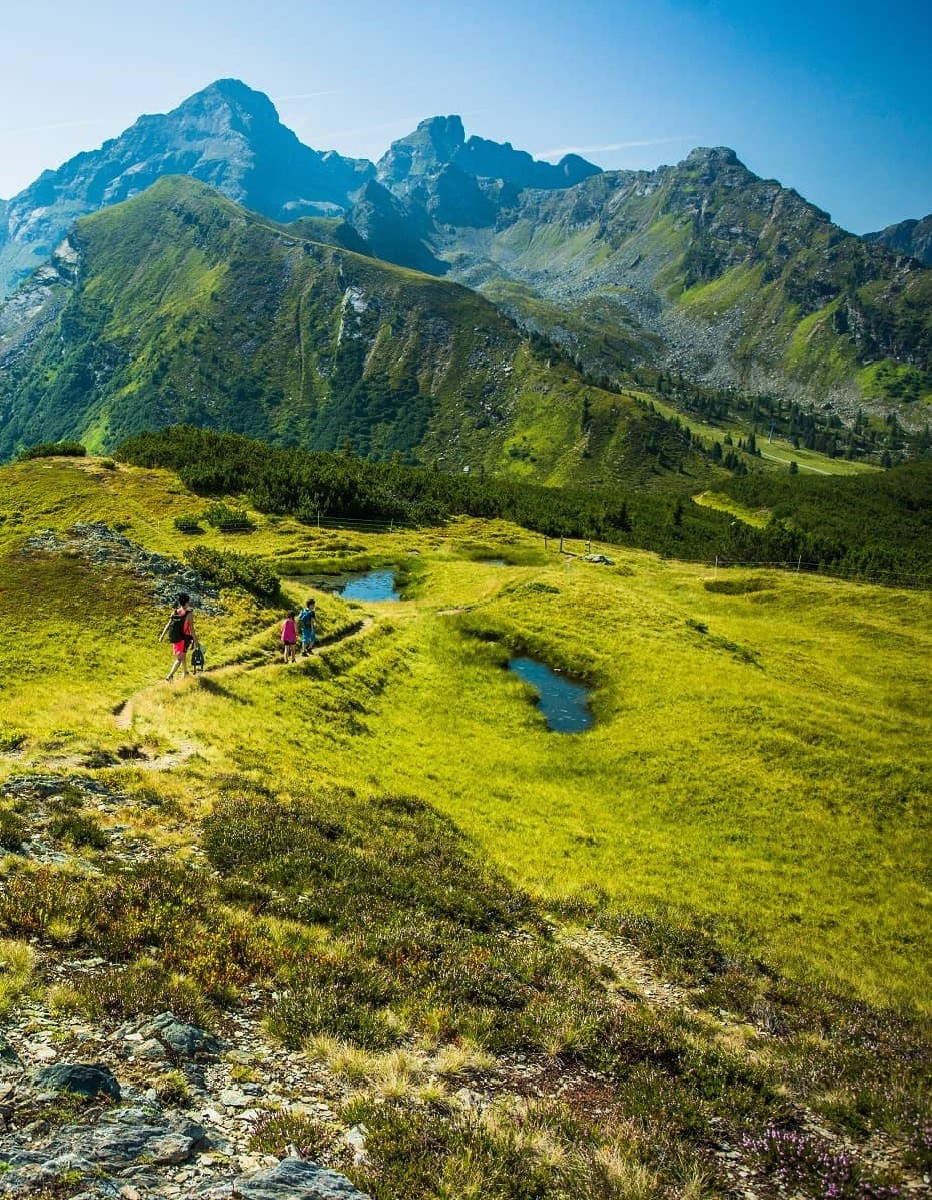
(125, 713)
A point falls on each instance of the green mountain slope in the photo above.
(706, 269)
(179, 306)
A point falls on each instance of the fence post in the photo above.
(799, 563)
(318, 518)
(715, 575)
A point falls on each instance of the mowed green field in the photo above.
(759, 754)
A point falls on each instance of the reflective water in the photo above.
(370, 585)
(563, 704)
(354, 585)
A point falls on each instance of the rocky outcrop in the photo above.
(112, 1133)
(295, 1179)
(102, 546)
(908, 237)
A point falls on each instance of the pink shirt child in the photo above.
(289, 632)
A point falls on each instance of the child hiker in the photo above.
(180, 631)
(289, 638)
(306, 623)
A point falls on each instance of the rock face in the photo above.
(441, 141)
(79, 1079)
(908, 237)
(227, 135)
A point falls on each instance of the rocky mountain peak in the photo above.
(441, 142)
(226, 135)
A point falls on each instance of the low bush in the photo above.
(227, 568)
(54, 450)
(188, 524)
(78, 829)
(227, 519)
(13, 830)
(277, 1132)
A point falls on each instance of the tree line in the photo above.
(876, 526)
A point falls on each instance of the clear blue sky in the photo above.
(833, 99)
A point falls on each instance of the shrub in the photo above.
(804, 1163)
(187, 524)
(53, 450)
(13, 830)
(276, 1132)
(227, 519)
(79, 829)
(227, 568)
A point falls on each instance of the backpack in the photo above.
(306, 618)
(176, 625)
(197, 659)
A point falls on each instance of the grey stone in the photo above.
(187, 1041)
(82, 1078)
(151, 1049)
(296, 1179)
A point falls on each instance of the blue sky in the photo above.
(832, 99)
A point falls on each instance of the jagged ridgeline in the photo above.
(180, 306)
(877, 526)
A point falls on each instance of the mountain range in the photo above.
(701, 271)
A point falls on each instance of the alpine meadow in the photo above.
(373, 922)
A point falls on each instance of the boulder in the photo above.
(296, 1179)
(81, 1078)
(187, 1041)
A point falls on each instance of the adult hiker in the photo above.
(307, 618)
(180, 631)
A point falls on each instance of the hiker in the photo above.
(180, 631)
(289, 638)
(306, 623)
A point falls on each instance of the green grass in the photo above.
(755, 755)
(397, 841)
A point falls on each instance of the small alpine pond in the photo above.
(563, 704)
(355, 585)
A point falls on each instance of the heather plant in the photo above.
(523, 1152)
(13, 830)
(285, 1131)
(79, 830)
(803, 1163)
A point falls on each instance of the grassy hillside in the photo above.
(694, 931)
(180, 306)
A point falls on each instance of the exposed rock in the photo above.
(102, 546)
(81, 1078)
(185, 1041)
(295, 1179)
